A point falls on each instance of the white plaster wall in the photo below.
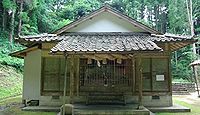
(32, 75)
(105, 22)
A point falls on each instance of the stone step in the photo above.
(129, 109)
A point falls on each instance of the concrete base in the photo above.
(129, 109)
(41, 108)
(172, 109)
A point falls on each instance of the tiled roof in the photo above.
(108, 41)
(54, 37)
(153, 37)
(105, 43)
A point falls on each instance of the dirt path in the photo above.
(190, 99)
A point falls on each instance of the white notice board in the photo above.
(160, 78)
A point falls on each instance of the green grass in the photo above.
(10, 86)
(195, 109)
(16, 110)
(10, 81)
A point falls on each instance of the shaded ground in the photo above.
(191, 101)
(12, 106)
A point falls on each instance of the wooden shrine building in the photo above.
(104, 57)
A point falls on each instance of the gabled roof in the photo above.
(129, 41)
(109, 9)
(147, 40)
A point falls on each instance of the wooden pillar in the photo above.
(77, 74)
(169, 75)
(140, 84)
(71, 94)
(65, 84)
(196, 79)
(133, 78)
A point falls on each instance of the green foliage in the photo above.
(180, 64)
(29, 30)
(61, 24)
(9, 4)
(178, 19)
(24, 17)
(5, 50)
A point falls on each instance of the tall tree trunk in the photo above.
(12, 26)
(192, 27)
(142, 10)
(164, 20)
(20, 20)
(189, 12)
(192, 22)
(4, 19)
(156, 13)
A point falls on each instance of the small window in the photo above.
(155, 97)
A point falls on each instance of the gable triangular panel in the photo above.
(105, 22)
(106, 19)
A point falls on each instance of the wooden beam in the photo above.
(92, 56)
(179, 45)
(105, 56)
(120, 56)
(172, 47)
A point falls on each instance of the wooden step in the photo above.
(105, 98)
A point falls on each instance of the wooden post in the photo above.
(169, 75)
(196, 79)
(71, 78)
(65, 84)
(140, 83)
(77, 75)
(133, 78)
